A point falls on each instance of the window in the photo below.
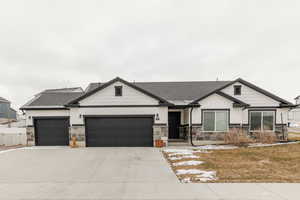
(215, 121)
(262, 120)
(237, 90)
(118, 91)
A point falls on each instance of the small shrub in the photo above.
(237, 137)
(265, 137)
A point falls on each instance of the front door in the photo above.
(174, 123)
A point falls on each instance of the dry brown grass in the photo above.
(261, 164)
(265, 137)
(294, 136)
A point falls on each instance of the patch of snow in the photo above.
(188, 163)
(207, 176)
(201, 175)
(215, 147)
(183, 157)
(176, 150)
(180, 154)
(294, 125)
(188, 171)
(186, 180)
(269, 145)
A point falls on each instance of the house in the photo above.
(294, 114)
(122, 113)
(7, 113)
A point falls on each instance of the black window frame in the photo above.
(118, 91)
(262, 120)
(237, 90)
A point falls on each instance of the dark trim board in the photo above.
(196, 124)
(118, 116)
(77, 124)
(160, 124)
(118, 106)
(63, 108)
(50, 117)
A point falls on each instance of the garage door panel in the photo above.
(119, 131)
(52, 132)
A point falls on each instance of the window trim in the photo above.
(120, 88)
(261, 128)
(215, 110)
(237, 87)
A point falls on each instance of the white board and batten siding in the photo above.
(216, 101)
(238, 115)
(250, 96)
(130, 96)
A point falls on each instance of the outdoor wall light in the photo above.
(157, 117)
(29, 117)
(80, 116)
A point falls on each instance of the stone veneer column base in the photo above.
(30, 136)
(79, 133)
(160, 132)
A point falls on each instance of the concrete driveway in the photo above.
(113, 173)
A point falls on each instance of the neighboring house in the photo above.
(6, 112)
(294, 114)
(121, 113)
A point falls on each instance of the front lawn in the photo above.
(256, 164)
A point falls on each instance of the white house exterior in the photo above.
(119, 113)
(294, 114)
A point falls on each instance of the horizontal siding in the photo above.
(130, 96)
(251, 96)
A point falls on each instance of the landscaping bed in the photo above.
(260, 163)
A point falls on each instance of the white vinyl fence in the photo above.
(12, 136)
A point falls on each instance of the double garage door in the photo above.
(129, 131)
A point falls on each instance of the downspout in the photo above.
(191, 126)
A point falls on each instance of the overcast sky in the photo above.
(64, 43)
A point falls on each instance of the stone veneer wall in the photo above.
(160, 131)
(30, 136)
(198, 134)
(79, 133)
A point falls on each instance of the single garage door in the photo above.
(52, 132)
(119, 131)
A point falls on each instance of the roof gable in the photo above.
(117, 79)
(252, 86)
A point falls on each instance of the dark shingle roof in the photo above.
(181, 90)
(176, 90)
(53, 99)
(171, 91)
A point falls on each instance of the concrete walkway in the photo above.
(114, 173)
